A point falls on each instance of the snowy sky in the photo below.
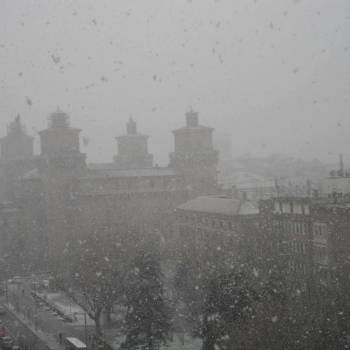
(275, 74)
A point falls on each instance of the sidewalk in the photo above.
(177, 344)
(48, 339)
(67, 307)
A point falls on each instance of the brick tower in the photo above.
(60, 165)
(194, 155)
(16, 158)
(133, 149)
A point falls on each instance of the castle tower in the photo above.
(16, 145)
(133, 149)
(16, 157)
(195, 156)
(60, 165)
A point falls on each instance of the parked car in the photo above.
(2, 331)
(6, 342)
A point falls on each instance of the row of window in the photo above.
(298, 247)
(292, 227)
(291, 207)
(319, 229)
(132, 183)
(297, 266)
(321, 255)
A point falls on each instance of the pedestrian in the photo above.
(60, 337)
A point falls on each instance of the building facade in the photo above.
(308, 238)
(311, 234)
(218, 230)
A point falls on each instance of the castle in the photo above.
(56, 194)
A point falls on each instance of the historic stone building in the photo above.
(62, 196)
(16, 157)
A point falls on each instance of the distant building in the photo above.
(223, 143)
(255, 191)
(337, 183)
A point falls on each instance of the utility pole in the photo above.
(7, 292)
(85, 330)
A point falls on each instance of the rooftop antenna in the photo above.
(341, 165)
(277, 186)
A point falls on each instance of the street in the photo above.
(22, 335)
(40, 316)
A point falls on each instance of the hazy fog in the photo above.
(273, 73)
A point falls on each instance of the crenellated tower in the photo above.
(16, 157)
(133, 149)
(60, 165)
(195, 156)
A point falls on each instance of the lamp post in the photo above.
(85, 331)
(85, 324)
(7, 292)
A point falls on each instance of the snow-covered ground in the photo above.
(69, 308)
(189, 344)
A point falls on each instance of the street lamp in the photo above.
(7, 292)
(85, 324)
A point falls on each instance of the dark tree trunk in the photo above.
(208, 343)
(108, 311)
(97, 320)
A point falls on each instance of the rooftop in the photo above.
(109, 171)
(31, 175)
(16, 128)
(192, 123)
(192, 128)
(221, 205)
(58, 120)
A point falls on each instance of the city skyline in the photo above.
(274, 77)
